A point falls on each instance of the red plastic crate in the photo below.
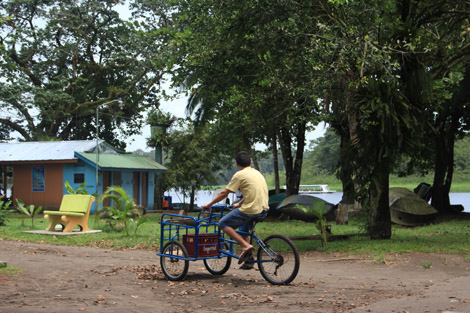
(207, 244)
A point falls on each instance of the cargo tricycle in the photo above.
(187, 238)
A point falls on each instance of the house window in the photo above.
(39, 180)
(79, 178)
(79, 173)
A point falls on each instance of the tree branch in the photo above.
(16, 127)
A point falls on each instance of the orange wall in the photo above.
(23, 189)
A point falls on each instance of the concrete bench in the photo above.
(74, 210)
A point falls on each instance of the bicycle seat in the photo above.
(258, 219)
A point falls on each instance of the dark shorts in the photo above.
(236, 219)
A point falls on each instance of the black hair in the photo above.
(243, 159)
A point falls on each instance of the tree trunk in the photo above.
(443, 172)
(346, 171)
(448, 123)
(191, 198)
(380, 225)
(276, 164)
(346, 177)
(293, 165)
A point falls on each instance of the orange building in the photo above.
(39, 171)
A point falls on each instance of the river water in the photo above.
(203, 197)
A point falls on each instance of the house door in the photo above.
(117, 179)
(144, 185)
(106, 184)
(136, 187)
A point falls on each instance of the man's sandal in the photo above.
(245, 255)
(249, 264)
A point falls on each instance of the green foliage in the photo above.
(81, 190)
(320, 222)
(426, 265)
(318, 210)
(156, 117)
(122, 212)
(29, 210)
(63, 59)
(388, 78)
(193, 159)
(10, 270)
(4, 210)
(322, 156)
(461, 156)
(240, 62)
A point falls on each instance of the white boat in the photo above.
(315, 189)
(231, 199)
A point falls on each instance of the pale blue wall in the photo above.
(150, 191)
(90, 177)
(126, 183)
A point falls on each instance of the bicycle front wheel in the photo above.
(278, 260)
(173, 262)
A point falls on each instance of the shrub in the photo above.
(4, 210)
(123, 212)
(28, 210)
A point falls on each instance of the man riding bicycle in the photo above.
(254, 204)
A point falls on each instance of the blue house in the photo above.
(40, 170)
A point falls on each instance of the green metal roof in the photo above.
(121, 161)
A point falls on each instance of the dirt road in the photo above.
(83, 279)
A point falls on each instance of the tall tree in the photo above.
(193, 160)
(394, 58)
(246, 64)
(450, 122)
(62, 59)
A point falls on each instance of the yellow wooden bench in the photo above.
(74, 210)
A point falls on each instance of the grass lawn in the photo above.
(449, 237)
(457, 186)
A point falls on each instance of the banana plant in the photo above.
(4, 205)
(29, 210)
(122, 207)
(318, 210)
(81, 190)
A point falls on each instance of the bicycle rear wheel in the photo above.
(218, 266)
(174, 268)
(278, 260)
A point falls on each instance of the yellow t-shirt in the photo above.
(254, 190)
